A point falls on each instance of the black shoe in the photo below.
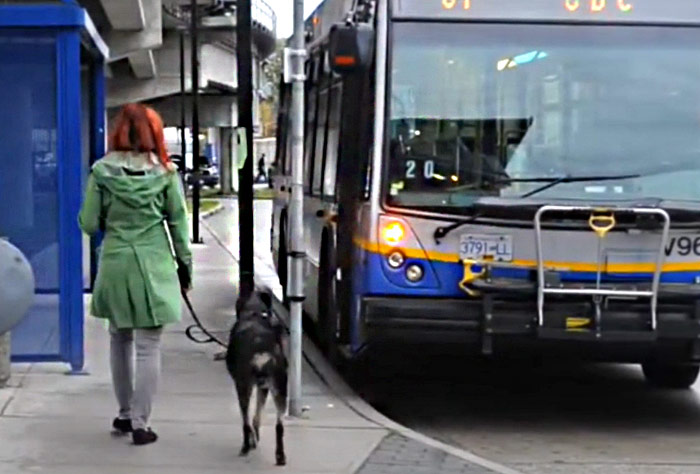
(122, 425)
(141, 437)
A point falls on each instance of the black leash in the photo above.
(199, 326)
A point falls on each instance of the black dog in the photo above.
(255, 358)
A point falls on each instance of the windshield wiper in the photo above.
(551, 182)
(441, 232)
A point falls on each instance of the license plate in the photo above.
(486, 247)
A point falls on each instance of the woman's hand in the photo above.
(183, 275)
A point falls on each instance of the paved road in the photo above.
(547, 420)
(399, 455)
(565, 419)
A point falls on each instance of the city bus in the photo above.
(501, 176)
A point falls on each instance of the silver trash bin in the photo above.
(16, 297)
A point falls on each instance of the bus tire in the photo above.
(282, 262)
(327, 304)
(676, 376)
(358, 370)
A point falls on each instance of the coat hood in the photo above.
(134, 178)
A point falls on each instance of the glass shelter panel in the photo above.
(29, 179)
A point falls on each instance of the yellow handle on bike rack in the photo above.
(471, 276)
(602, 224)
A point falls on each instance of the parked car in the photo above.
(208, 174)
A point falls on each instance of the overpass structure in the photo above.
(144, 64)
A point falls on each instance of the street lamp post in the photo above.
(244, 54)
(183, 97)
(194, 34)
(296, 222)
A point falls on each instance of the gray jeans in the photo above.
(135, 393)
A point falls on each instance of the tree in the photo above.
(272, 72)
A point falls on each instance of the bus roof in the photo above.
(326, 14)
(594, 11)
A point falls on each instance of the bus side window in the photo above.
(322, 124)
(288, 147)
(331, 165)
(320, 141)
(282, 154)
(310, 128)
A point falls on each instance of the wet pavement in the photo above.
(549, 419)
(223, 226)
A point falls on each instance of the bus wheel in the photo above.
(678, 376)
(358, 371)
(282, 263)
(327, 306)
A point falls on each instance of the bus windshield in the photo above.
(497, 110)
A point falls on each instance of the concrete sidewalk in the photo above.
(50, 422)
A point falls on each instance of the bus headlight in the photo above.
(414, 273)
(395, 260)
(393, 233)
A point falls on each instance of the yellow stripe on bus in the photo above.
(643, 267)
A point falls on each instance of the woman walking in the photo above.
(133, 195)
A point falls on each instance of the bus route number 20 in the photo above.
(412, 169)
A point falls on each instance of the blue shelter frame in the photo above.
(53, 126)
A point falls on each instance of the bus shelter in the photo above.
(52, 109)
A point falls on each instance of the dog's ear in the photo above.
(266, 297)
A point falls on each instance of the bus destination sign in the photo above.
(637, 11)
(596, 6)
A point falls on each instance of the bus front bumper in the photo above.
(483, 321)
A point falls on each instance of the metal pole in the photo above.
(98, 118)
(296, 225)
(194, 26)
(183, 98)
(244, 52)
(5, 367)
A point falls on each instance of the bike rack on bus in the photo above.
(601, 222)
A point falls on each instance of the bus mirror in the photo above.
(351, 47)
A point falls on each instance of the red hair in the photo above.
(139, 128)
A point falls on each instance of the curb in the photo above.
(211, 212)
(347, 395)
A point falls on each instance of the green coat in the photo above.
(132, 197)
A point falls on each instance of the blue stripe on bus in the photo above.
(442, 278)
(372, 279)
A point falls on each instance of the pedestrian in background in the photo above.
(135, 197)
(261, 177)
